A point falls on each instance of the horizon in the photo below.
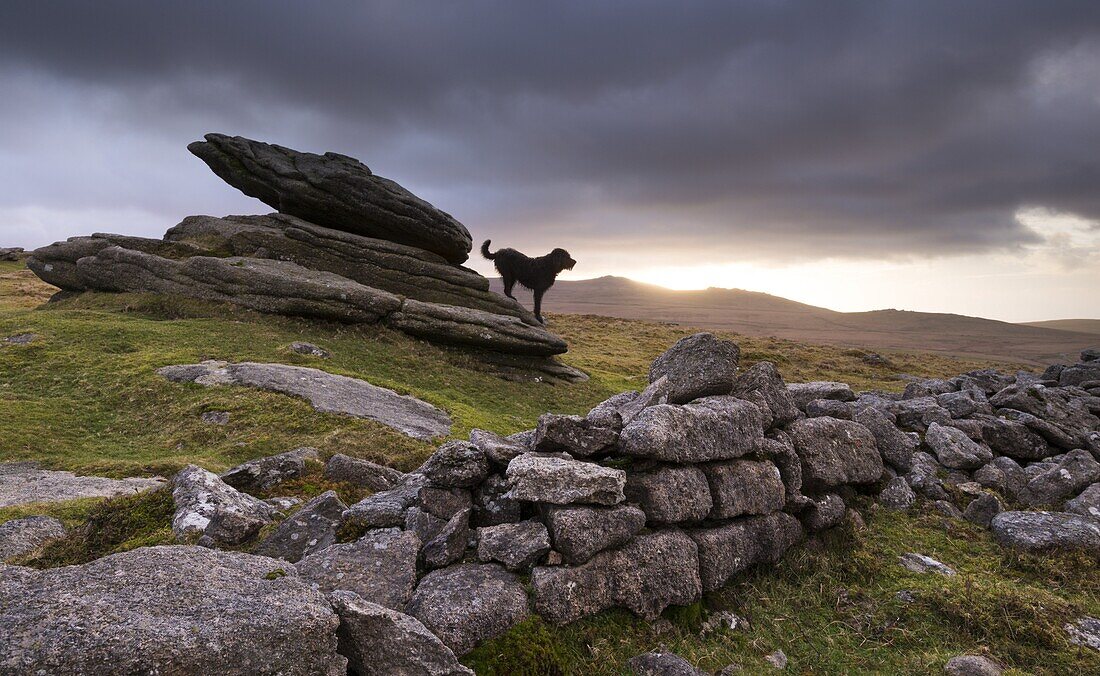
(854, 157)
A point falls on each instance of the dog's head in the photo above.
(562, 259)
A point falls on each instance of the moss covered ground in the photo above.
(83, 396)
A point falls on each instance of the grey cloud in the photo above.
(756, 129)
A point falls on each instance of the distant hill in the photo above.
(1079, 325)
(761, 314)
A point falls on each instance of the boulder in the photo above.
(310, 529)
(740, 544)
(492, 504)
(22, 536)
(380, 641)
(607, 414)
(1037, 531)
(167, 610)
(647, 575)
(499, 450)
(335, 191)
(740, 487)
(915, 415)
(449, 544)
(655, 393)
(821, 408)
(662, 664)
(326, 392)
(562, 481)
(11, 253)
(897, 495)
(697, 366)
(372, 476)
(1058, 407)
(823, 513)
(924, 477)
(264, 473)
(1084, 632)
(386, 508)
(456, 464)
(517, 546)
(444, 502)
(579, 533)
(972, 665)
(762, 384)
(919, 563)
(208, 508)
(380, 567)
(989, 381)
(1079, 374)
(309, 349)
(895, 447)
(716, 428)
(929, 387)
(1073, 473)
(425, 525)
(779, 448)
(572, 434)
(1085, 504)
(22, 483)
(671, 494)
(954, 449)
(964, 402)
(803, 393)
(1014, 439)
(1004, 475)
(469, 603)
(982, 509)
(835, 452)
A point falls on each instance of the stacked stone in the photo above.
(649, 500)
(346, 245)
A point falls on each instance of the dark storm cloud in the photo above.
(746, 129)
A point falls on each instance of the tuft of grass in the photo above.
(531, 648)
(831, 606)
(112, 526)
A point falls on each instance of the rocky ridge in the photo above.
(641, 504)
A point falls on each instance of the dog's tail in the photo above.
(485, 250)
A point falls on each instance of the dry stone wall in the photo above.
(646, 503)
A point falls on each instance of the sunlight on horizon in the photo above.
(1053, 274)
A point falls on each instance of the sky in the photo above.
(922, 155)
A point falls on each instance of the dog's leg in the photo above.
(538, 305)
(509, 282)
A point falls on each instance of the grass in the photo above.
(84, 397)
(832, 608)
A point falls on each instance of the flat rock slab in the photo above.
(22, 536)
(22, 483)
(166, 610)
(326, 392)
(333, 190)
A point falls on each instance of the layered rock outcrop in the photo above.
(346, 246)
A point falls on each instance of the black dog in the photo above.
(537, 274)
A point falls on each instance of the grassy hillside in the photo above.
(1079, 325)
(760, 314)
(83, 396)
